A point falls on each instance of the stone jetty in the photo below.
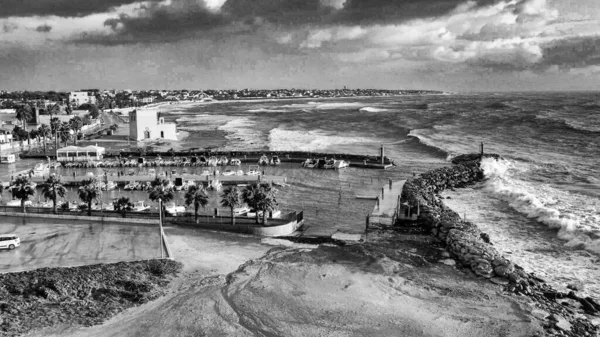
(474, 250)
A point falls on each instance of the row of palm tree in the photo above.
(261, 197)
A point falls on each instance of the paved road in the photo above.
(60, 243)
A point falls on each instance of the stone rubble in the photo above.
(473, 249)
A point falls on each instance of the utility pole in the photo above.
(160, 221)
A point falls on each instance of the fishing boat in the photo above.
(140, 206)
(131, 186)
(174, 210)
(310, 163)
(17, 202)
(329, 164)
(213, 161)
(178, 184)
(8, 158)
(239, 172)
(215, 185)
(253, 170)
(229, 172)
(202, 161)
(264, 160)
(205, 172)
(235, 162)
(275, 160)
(241, 210)
(223, 161)
(340, 164)
(41, 169)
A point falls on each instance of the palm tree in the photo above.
(54, 124)
(64, 132)
(267, 202)
(89, 192)
(23, 188)
(53, 188)
(161, 190)
(251, 195)
(196, 195)
(24, 114)
(123, 205)
(76, 124)
(231, 198)
(44, 131)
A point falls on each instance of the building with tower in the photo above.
(147, 124)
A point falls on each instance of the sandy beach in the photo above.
(235, 285)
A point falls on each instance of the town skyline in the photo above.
(455, 45)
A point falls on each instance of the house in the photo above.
(75, 153)
(6, 136)
(146, 124)
(77, 98)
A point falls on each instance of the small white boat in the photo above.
(272, 215)
(235, 162)
(241, 210)
(17, 202)
(329, 164)
(131, 186)
(110, 185)
(310, 163)
(275, 160)
(8, 158)
(152, 172)
(205, 173)
(215, 185)
(140, 206)
(264, 160)
(340, 164)
(253, 170)
(239, 172)
(229, 172)
(202, 161)
(223, 161)
(41, 169)
(108, 207)
(213, 161)
(174, 210)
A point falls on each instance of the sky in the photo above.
(451, 45)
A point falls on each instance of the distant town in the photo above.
(111, 99)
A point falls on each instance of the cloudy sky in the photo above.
(456, 45)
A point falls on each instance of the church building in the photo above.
(145, 124)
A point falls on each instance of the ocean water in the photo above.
(541, 202)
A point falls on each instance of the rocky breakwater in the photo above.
(85, 296)
(474, 249)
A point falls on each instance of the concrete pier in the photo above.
(384, 212)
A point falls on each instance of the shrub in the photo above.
(163, 267)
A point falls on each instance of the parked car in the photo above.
(9, 241)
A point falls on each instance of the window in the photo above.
(162, 134)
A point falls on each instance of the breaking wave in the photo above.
(576, 218)
(313, 140)
(371, 109)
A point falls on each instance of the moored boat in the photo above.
(140, 206)
(275, 160)
(264, 160)
(310, 163)
(223, 161)
(253, 170)
(229, 172)
(174, 210)
(7, 158)
(235, 162)
(213, 161)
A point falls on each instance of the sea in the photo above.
(540, 203)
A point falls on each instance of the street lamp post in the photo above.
(160, 220)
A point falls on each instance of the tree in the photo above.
(123, 205)
(89, 192)
(22, 189)
(65, 132)
(1, 189)
(76, 124)
(251, 195)
(24, 114)
(54, 124)
(44, 131)
(161, 189)
(94, 112)
(196, 195)
(68, 109)
(231, 198)
(267, 201)
(53, 188)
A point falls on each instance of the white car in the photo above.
(174, 210)
(9, 241)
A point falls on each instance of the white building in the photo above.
(75, 153)
(145, 124)
(78, 98)
(6, 136)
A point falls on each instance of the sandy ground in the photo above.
(59, 243)
(236, 285)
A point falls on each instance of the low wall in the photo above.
(278, 230)
(107, 220)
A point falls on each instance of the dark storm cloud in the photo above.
(63, 8)
(185, 18)
(573, 53)
(43, 28)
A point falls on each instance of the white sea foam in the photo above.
(243, 133)
(267, 110)
(574, 216)
(325, 106)
(372, 109)
(313, 140)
